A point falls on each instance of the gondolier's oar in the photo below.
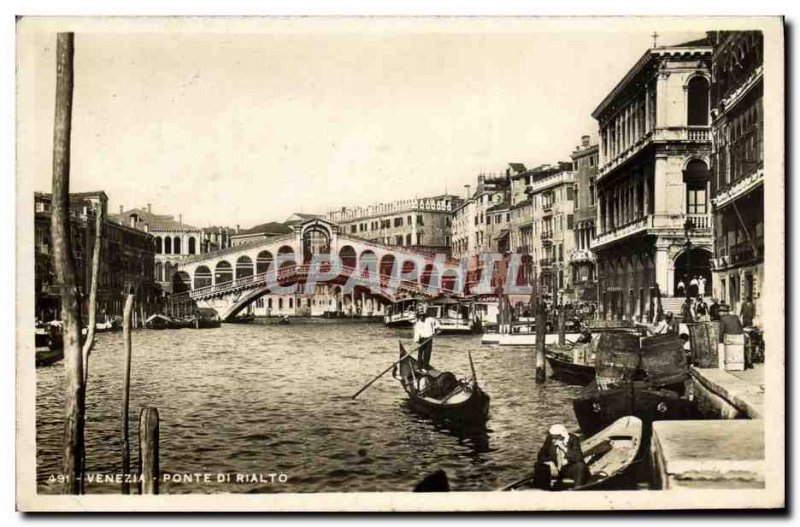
(471, 365)
(392, 365)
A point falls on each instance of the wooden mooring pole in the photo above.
(149, 471)
(126, 391)
(66, 274)
(562, 323)
(541, 334)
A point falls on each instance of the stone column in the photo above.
(662, 268)
(660, 185)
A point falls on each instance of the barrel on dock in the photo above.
(617, 359)
(664, 360)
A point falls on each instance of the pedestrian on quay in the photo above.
(713, 310)
(747, 312)
(561, 457)
(425, 328)
(702, 285)
(661, 327)
(687, 311)
(681, 287)
(694, 287)
(701, 310)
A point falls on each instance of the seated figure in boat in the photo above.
(561, 458)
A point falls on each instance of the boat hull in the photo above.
(46, 356)
(582, 374)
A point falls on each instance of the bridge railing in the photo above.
(235, 249)
(302, 271)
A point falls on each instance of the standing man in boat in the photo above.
(425, 328)
(561, 457)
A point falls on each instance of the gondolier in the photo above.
(425, 328)
(560, 455)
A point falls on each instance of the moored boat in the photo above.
(609, 455)
(454, 317)
(440, 395)
(401, 314)
(565, 368)
(242, 319)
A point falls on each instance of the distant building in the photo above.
(127, 260)
(541, 224)
(260, 232)
(581, 258)
(653, 215)
(737, 182)
(174, 240)
(422, 223)
(471, 227)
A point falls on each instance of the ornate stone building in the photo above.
(581, 259)
(174, 240)
(737, 183)
(653, 212)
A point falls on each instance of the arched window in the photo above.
(167, 245)
(159, 245)
(176, 246)
(697, 102)
(192, 245)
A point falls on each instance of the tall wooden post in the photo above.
(541, 334)
(149, 471)
(562, 323)
(98, 245)
(66, 274)
(126, 391)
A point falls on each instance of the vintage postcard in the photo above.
(400, 264)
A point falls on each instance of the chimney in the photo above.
(237, 228)
(180, 219)
(584, 141)
(149, 208)
(466, 190)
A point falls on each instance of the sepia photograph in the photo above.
(400, 263)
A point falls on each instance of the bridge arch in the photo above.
(244, 267)
(223, 272)
(450, 281)
(263, 261)
(430, 277)
(203, 277)
(316, 239)
(347, 255)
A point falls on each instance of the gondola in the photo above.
(608, 454)
(46, 355)
(570, 371)
(441, 396)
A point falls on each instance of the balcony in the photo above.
(738, 188)
(581, 256)
(545, 263)
(653, 223)
(669, 134)
(546, 236)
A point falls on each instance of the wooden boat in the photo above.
(284, 320)
(441, 396)
(401, 314)
(160, 321)
(596, 409)
(242, 319)
(454, 317)
(608, 454)
(566, 369)
(46, 355)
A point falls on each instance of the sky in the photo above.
(247, 127)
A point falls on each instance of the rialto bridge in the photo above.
(315, 253)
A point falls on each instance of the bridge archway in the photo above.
(386, 267)
(263, 261)
(347, 255)
(430, 277)
(316, 240)
(202, 277)
(244, 267)
(450, 279)
(223, 272)
(368, 263)
(181, 282)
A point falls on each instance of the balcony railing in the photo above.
(546, 235)
(702, 224)
(690, 134)
(545, 262)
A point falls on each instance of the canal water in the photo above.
(259, 400)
